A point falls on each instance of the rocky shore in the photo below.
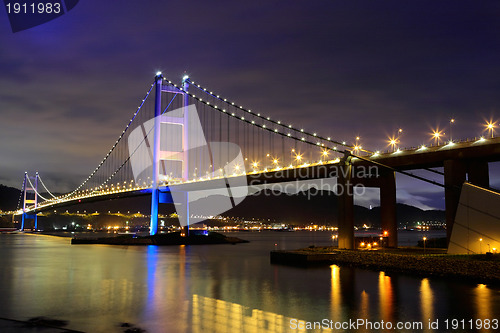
(475, 268)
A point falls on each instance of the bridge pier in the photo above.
(346, 207)
(388, 206)
(455, 172)
(478, 173)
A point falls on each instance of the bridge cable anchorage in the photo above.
(114, 146)
(404, 172)
(267, 119)
(45, 187)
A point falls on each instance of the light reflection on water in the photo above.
(218, 288)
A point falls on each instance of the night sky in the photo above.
(339, 68)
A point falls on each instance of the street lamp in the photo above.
(335, 237)
(324, 154)
(425, 238)
(480, 242)
(393, 142)
(437, 136)
(490, 126)
(452, 121)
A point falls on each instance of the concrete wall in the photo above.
(478, 217)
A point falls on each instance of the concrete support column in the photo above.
(388, 206)
(478, 173)
(346, 207)
(454, 177)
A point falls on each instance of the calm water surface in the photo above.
(218, 288)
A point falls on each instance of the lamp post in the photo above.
(357, 146)
(324, 155)
(400, 134)
(436, 135)
(298, 158)
(490, 126)
(335, 237)
(425, 238)
(480, 242)
(452, 121)
(393, 142)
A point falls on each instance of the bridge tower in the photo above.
(30, 196)
(160, 156)
(155, 192)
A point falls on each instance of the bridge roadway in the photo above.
(461, 161)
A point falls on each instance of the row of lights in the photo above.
(393, 141)
(105, 189)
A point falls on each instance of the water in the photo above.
(218, 288)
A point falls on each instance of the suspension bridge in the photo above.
(185, 143)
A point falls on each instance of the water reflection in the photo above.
(386, 297)
(214, 288)
(426, 303)
(483, 297)
(335, 294)
(215, 315)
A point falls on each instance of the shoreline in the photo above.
(173, 238)
(474, 268)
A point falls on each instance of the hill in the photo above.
(8, 197)
(321, 209)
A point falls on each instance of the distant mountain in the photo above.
(9, 197)
(303, 208)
